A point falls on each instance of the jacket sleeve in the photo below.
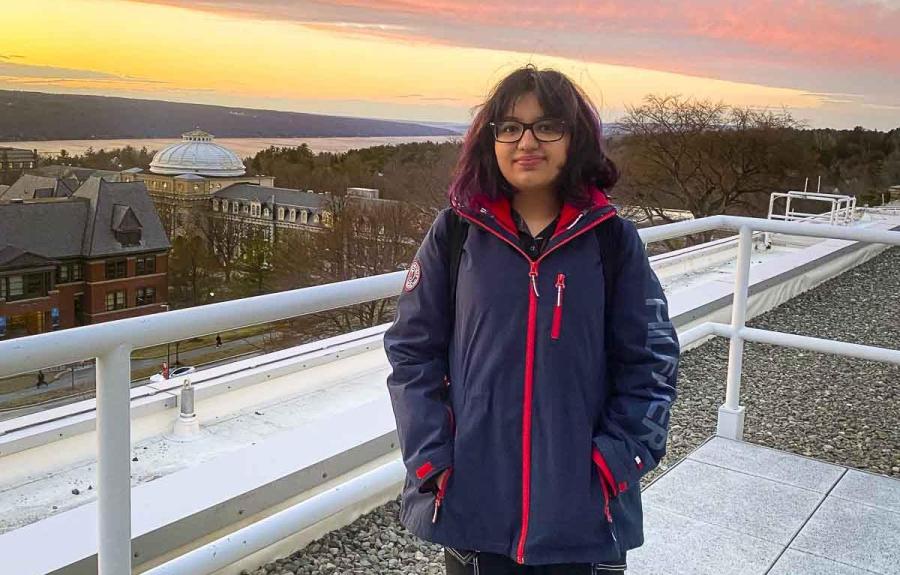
(642, 354)
(416, 345)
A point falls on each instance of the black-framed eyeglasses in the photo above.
(546, 130)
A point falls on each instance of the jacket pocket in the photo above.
(609, 489)
(557, 310)
(440, 493)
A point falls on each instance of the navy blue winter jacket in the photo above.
(546, 407)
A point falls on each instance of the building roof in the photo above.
(50, 228)
(17, 154)
(12, 257)
(29, 187)
(272, 196)
(107, 200)
(75, 172)
(197, 154)
(84, 225)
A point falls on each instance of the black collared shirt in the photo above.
(533, 245)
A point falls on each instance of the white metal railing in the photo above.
(111, 344)
(842, 209)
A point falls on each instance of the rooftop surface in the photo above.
(738, 508)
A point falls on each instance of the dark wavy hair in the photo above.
(586, 164)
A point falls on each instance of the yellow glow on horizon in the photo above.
(173, 53)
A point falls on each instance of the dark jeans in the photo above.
(461, 562)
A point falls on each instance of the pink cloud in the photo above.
(818, 31)
(853, 32)
(820, 46)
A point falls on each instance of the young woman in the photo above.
(530, 404)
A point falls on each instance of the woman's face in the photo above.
(531, 165)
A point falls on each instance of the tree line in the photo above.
(674, 153)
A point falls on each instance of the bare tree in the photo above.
(421, 179)
(256, 262)
(225, 235)
(192, 271)
(364, 237)
(704, 157)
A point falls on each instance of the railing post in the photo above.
(114, 461)
(731, 414)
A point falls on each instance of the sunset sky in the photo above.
(833, 63)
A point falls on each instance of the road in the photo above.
(85, 377)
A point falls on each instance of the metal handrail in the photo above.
(111, 344)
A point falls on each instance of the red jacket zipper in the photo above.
(557, 311)
(529, 364)
(442, 491)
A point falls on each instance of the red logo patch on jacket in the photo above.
(413, 276)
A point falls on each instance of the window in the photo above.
(144, 266)
(16, 286)
(116, 269)
(267, 213)
(280, 214)
(315, 218)
(130, 238)
(224, 205)
(69, 272)
(293, 216)
(145, 296)
(304, 216)
(215, 205)
(35, 285)
(115, 300)
(5, 287)
(235, 207)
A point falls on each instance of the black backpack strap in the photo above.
(609, 236)
(457, 231)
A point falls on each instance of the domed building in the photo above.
(184, 176)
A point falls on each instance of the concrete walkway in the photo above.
(737, 508)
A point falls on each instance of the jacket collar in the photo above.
(500, 210)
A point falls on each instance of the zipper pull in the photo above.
(570, 226)
(532, 273)
(439, 496)
(557, 311)
(437, 506)
(560, 286)
(486, 212)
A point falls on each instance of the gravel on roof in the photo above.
(836, 409)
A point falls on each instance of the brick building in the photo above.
(14, 162)
(95, 256)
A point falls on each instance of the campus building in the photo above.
(96, 255)
(184, 176)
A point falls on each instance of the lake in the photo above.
(243, 147)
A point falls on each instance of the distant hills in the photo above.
(41, 116)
